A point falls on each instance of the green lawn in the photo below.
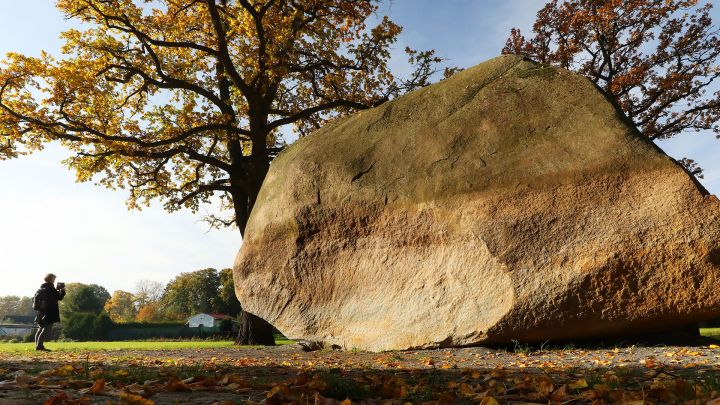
(710, 332)
(129, 345)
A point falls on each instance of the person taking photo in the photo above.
(45, 304)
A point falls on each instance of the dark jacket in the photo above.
(52, 311)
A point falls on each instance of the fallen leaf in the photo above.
(8, 385)
(63, 371)
(466, 390)
(132, 399)
(62, 398)
(579, 384)
(489, 401)
(58, 399)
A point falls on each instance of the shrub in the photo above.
(102, 324)
(226, 326)
(87, 326)
(148, 325)
(78, 326)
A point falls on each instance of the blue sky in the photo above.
(85, 233)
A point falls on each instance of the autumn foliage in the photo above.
(183, 101)
(634, 375)
(121, 306)
(660, 60)
(149, 313)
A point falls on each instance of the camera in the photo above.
(60, 286)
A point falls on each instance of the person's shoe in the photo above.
(42, 349)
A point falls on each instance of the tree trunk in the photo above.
(254, 331)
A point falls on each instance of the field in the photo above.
(99, 346)
(218, 373)
(124, 345)
(711, 332)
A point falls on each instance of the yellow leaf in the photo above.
(579, 384)
(713, 347)
(64, 370)
(132, 399)
(466, 390)
(489, 401)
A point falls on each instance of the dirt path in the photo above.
(286, 374)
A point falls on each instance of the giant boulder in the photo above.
(511, 201)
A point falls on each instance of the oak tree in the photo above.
(14, 305)
(121, 306)
(229, 304)
(83, 298)
(659, 60)
(192, 293)
(148, 292)
(150, 312)
(186, 101)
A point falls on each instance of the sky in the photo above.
(84, 233)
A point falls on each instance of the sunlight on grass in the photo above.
(129, 345)
(710, 332)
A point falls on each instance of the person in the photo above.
(46, 305)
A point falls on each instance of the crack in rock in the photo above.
(362, 173)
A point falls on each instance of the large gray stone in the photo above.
(511, 201)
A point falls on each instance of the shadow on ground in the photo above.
(284, 375)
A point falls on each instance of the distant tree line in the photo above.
(202, 291)
(89, 310)
(13, 305)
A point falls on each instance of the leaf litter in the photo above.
(287, 375)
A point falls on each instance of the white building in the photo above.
(199, 320)
(15, 330)
(206, 320)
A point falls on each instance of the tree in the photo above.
(14, 305)
(185, 101)
(229, 303)
(84, 326)
(659, 60)
(148, 292)
(149, 312)
(25, 307)
(83, 298)
(192, 293)
(121, 307)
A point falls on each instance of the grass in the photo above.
(710, 332)
(172, 345)
(128, 345)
